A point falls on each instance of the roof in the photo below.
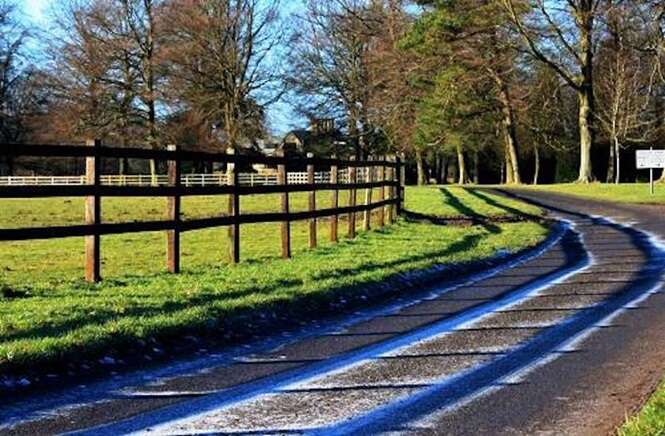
(302, 134)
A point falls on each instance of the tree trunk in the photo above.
(509, 131)
(585, 97)
(10, 165)
(422, 177)
(122, 163)
(463, 177)
(148, 59)
(610, 164)
(502, 177)
(153, 172)
(443, 171)
(536, 165)
(659, 114)
(617, 153)
(508, 167)
(352, 121)
(476, 168)
(586, 135)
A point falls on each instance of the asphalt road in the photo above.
(567, 339)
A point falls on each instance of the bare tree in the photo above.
(219, 54)
(78, 72)
(393, 99)
(625, 90)
(649, 22)
(547, 119)
(13, 75)
(138, 24)
(561, 35)
(331, 63)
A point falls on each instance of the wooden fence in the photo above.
(386, 175)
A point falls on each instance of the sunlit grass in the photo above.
(650, 421)
(48, 313)
(622, 193)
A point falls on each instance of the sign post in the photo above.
(651, 188)
(650, 159)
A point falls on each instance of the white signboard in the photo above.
(650, 159)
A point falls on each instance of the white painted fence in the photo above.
(218, 179)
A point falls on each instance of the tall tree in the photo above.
(13, 37)
(138, 21)
(625, 87)
(219, 55)
(79, 70)
(548, 119)
(330, 68)
(14, 75)
(394, 93)
(562, 37)
(466, 36)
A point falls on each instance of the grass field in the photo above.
(47, 313)
(622, 193)
(651, 420)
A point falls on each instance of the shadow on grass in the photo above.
(453, 201)
(212, 302)
(102, 316)
(466, 214)
(467, 243)
(281, 292)
(492, 202)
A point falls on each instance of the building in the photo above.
(321, 138)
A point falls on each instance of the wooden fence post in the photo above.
(283, 180)
(173, 214)
(334, 220)
(312, 201)
(234, 209)
(391, 191)
(382, 193)
(402, 182)
(93, 216)
(352, 200)
(367, 216)
(399, 171)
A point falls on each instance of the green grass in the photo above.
(651, 420)
(622, 193)
(47, 313)
(456, 202)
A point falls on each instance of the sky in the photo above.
(281, 116)
(35, 9)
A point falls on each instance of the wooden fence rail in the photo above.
(376, 173)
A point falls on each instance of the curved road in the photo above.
(567, 339)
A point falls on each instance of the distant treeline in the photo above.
(471, 90)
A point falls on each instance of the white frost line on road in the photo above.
(389, 347)
(357, 318)
(104, 391)
(572, 344)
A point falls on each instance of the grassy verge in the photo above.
(622, 193)
(47, 314)
(651, 420)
